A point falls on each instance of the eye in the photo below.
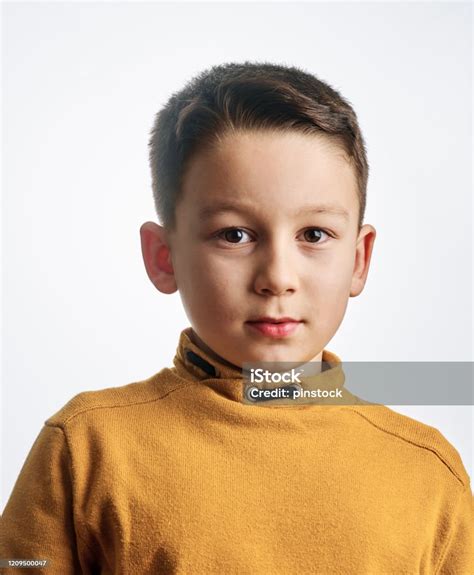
(313, 235)
(232, 235)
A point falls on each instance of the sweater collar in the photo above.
(194, 364)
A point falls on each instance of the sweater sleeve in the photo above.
(457, 557)
(37, 522)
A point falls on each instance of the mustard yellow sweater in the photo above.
(175, 474)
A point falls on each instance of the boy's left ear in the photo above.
(364, 246)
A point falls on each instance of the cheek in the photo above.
(217, 277)
(220, 269)
(339, 283)
(339, 271)
(331, 277)
(208, 282)
(329, 288)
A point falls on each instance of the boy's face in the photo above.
(285, 259)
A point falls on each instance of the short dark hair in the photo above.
(247, 96)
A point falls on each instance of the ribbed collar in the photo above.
(194, 364)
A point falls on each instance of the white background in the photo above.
(81, 86)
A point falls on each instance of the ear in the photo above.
(157, 257)
(364, 246)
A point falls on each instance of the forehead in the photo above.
(270, 171)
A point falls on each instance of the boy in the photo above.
(177, 473)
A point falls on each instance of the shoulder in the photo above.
(135, 394)
(414, 432)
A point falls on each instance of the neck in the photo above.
(316, 361)
(198, 341)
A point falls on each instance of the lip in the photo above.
(271, 327)
(269, 319)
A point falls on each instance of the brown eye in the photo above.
(313, 235)
(233, 235)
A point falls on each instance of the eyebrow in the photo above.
(208, 211)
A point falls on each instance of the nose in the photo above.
(275, 274)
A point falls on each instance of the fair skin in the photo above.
(279, 262)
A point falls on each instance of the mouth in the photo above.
(274, 327)
(268, 319)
